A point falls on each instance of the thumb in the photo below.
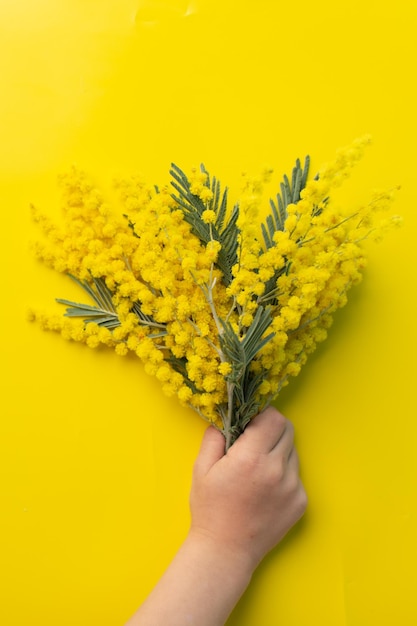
(212, 450)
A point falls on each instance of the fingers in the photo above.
(293, 462)
(285, 445)
(211, 450)
(266, 430)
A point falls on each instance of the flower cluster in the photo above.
(220, 307)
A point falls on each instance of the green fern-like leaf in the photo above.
(240, 352)
(290, 194)
(224, 228)
(103, 313)
(275, 221)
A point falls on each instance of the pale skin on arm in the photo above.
(242, 504)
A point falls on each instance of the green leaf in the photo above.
(253, 342)
(90, 313)
(290, 194)
(223, 230)
(275, 221)
(103, 314)
(240, 352)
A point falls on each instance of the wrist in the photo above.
(233, 564)
(201, 586)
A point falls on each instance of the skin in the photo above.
(242, 504)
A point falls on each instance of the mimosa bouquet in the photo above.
(219, 305)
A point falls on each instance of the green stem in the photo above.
(229, 418)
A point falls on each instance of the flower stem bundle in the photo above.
(221, 307)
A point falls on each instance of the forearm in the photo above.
(200, 587)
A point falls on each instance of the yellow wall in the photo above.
(95, 462)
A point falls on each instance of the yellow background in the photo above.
(95, 462)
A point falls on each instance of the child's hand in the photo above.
(245, 501)
(242, 504)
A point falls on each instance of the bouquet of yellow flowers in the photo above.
(221, 307)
